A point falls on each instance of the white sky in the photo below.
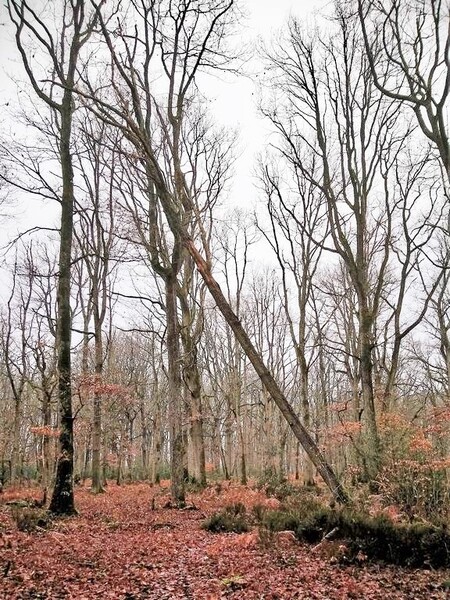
(234, 105)
(234, 99)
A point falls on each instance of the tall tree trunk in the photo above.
(177, 439)
(227, 444)
(62, 52)
(156, 448)
(62, 501)
(193, 388)
(237, 397)
(197, 438)
(372, 457)
(145, 439)
(221, 451)
(97, 476)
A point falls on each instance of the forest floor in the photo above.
(125, 546)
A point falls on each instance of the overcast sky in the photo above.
(234, 99)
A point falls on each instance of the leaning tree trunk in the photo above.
(311, 448)
(308, 472)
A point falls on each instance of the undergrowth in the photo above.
(30, 519)
(232, 518)
(378, 538)
(275, 484)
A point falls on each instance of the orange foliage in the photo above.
(389, 421)
(419, 443)
(94, 384)
(45, 431)
(343, 432)
(340, 407)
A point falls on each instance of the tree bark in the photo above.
(373, 457)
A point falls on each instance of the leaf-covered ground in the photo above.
(126, 547)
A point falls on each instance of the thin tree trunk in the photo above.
(16, 471)
(237, 395)
(144, 440)
(157, 444)
(97, 476)
(228, 445)
(86, 459)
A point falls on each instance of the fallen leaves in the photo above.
(119, 548)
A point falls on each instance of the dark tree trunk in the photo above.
(62, 52)
(62, 501)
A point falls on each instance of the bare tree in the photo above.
(433, 353)
(58, 45)
(234, 240)
(15, 337)
(96, 246)
(186, 41)
(408, 49)
(335, 114)
(298, 228)
(39, 268)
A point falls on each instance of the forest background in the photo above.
(333, 362)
